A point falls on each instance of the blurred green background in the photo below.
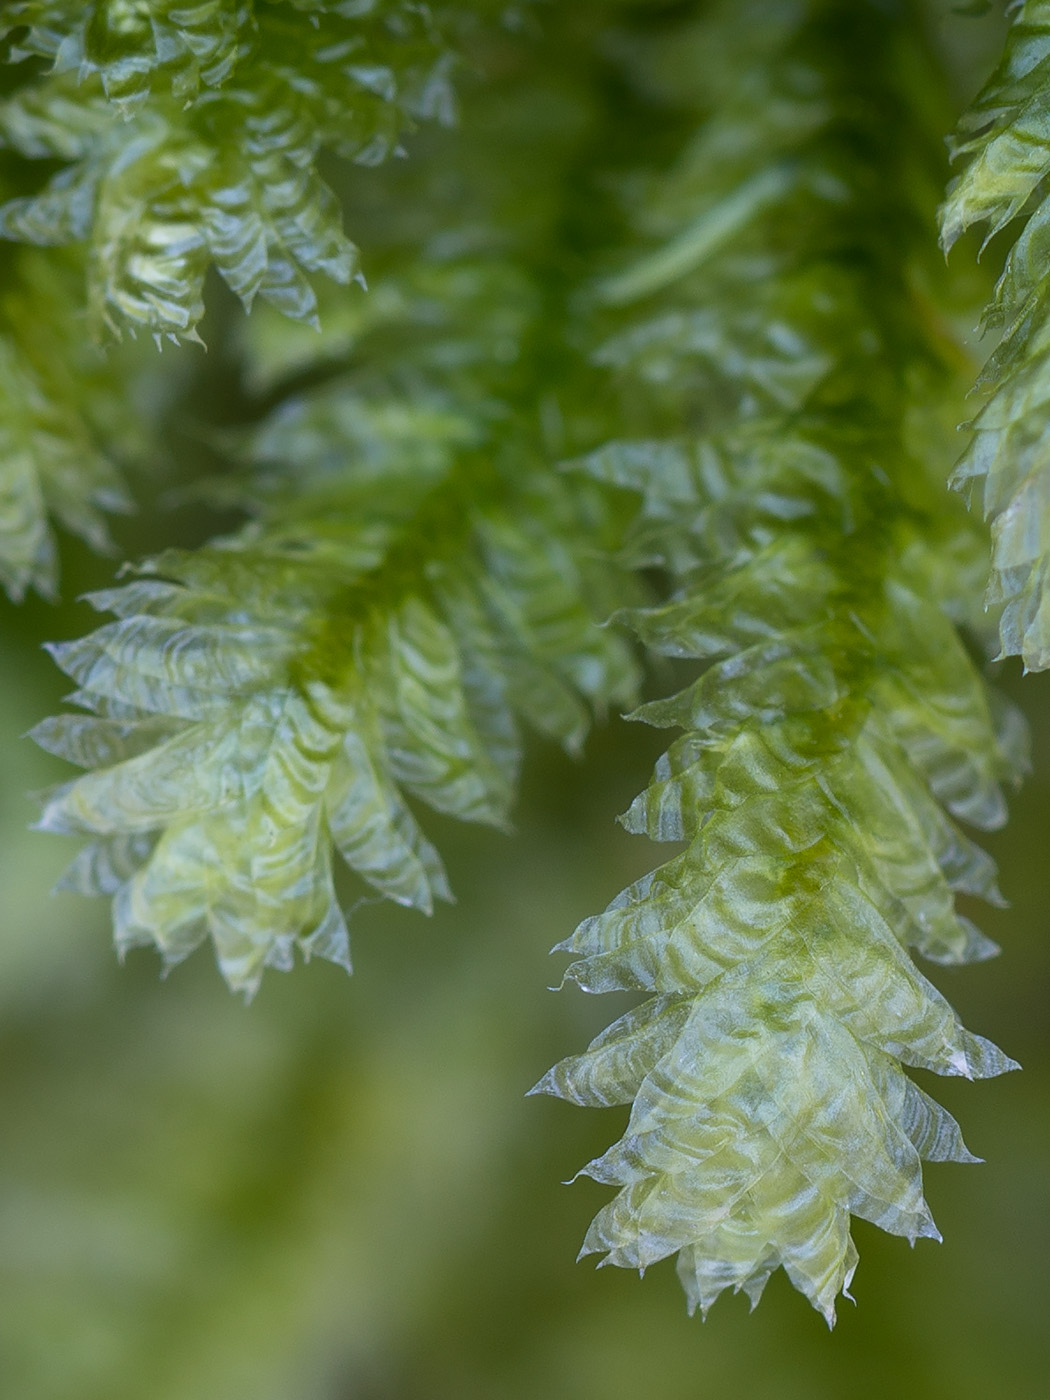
(340, 1193)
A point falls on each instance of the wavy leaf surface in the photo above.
(190, 138)
(417, 583)
(1003, 145)
(775, 358)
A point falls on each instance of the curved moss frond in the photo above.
(776, 354)
(1003, 143)
(286, 690)
(416, 583)
(190, 138)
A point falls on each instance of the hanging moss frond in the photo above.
(1003, 142)
(416, 583)
(190, 138)
(775, 352)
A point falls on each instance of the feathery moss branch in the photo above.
(1003, 142)
(191, 138)
(416, 582)
(376, 633)
(776, 355)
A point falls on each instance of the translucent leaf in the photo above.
(357, 645)
(1002, 146)
(755, 336)
(195, 133)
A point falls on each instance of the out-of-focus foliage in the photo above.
(64, 419)
(1003, 144)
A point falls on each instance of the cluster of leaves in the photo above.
(415, 581)
(751, 401)
(190, 136)
(1004, 142)
(819, 570)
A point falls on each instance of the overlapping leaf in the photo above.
(135, 48)
(1003, 142)
(416, 583)
(772, 351)
(191, 136)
